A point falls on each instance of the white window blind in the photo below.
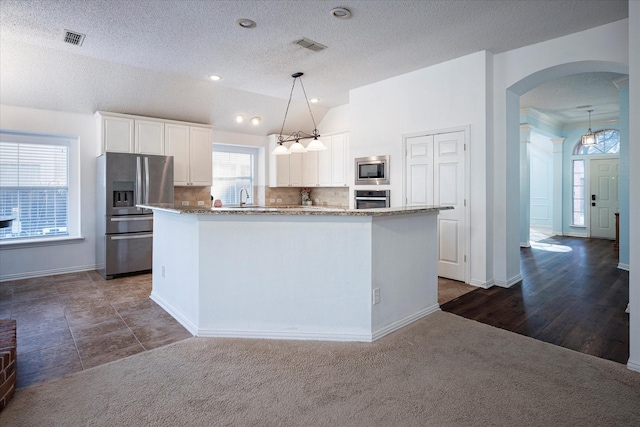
(233, 169)
(34, 187)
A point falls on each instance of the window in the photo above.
(608, 143)
(578, 192)
(234, 168)
(34, 185)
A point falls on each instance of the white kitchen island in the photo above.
(307, 273)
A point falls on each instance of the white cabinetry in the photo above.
(149, 137)
(326, 168)
(284, 171)
(189, 143)
(190, 147)
(115, 133)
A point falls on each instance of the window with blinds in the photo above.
(34, 185)
(233, 169)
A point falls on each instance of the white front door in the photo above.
(604, 198)
(435, 175)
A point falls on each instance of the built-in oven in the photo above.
(372, 170)
(372, 199)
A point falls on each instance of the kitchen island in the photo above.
(301, 273)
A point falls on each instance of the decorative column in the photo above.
(556, 226)
(525, 185)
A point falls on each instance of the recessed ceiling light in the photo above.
(340, 12)
(314, 100)
(246, 23)
(255, 121)
(239, 118)
(215, 77)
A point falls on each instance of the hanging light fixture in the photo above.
(296, 137)
(589, 138)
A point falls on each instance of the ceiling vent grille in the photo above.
(74, 38)
(310, 44)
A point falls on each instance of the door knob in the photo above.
(593, 203)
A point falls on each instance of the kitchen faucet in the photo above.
(247, 193)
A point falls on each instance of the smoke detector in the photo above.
(73, 37)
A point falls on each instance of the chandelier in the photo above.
(589, 138)
(296, 137)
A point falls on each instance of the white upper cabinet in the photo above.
(176, 144)
(339, 155)
(200, 156)
(190, 147)
(310, 169)
(149, 137)
(115, 133)
(326, 168)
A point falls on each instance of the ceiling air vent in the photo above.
(310, 44)
(72, 37)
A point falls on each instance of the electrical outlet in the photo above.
(376, 296)
(185, 203)
(279, 201)
(316, 201)
(272, 200)
(200, 202)
(163, 271)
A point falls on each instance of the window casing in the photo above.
(35, 187)
(234, 168)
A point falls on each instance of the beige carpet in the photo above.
(441, 371)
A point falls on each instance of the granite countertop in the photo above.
(293, 210)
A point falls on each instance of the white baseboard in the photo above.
(188, 324)
(623, 266)
(633, 365)
(404, 322)
(282, 335)
(525, 245)
(42, 273)
(508, 283)
(479, 284)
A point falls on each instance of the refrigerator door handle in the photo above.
(138, 182)
(131, 237)
(146, 180)
(132, 218)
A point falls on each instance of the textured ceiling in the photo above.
(152, 57)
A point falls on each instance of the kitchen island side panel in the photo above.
(176, 267)
(405, 270)
(285, 276)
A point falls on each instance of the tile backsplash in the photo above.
(321, 196)
(193, 195)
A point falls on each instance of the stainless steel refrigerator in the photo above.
(124, 237)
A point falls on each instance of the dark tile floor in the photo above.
(70, 322)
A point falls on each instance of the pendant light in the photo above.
(296, 137)
(589, 138)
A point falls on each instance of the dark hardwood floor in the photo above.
(572, 295)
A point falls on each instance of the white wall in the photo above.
(444, 96)
(336, 120)
(20, 262)
(541, 195)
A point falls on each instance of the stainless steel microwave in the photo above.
(372, 170)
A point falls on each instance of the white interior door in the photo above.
(435, 175)
(604, 197)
